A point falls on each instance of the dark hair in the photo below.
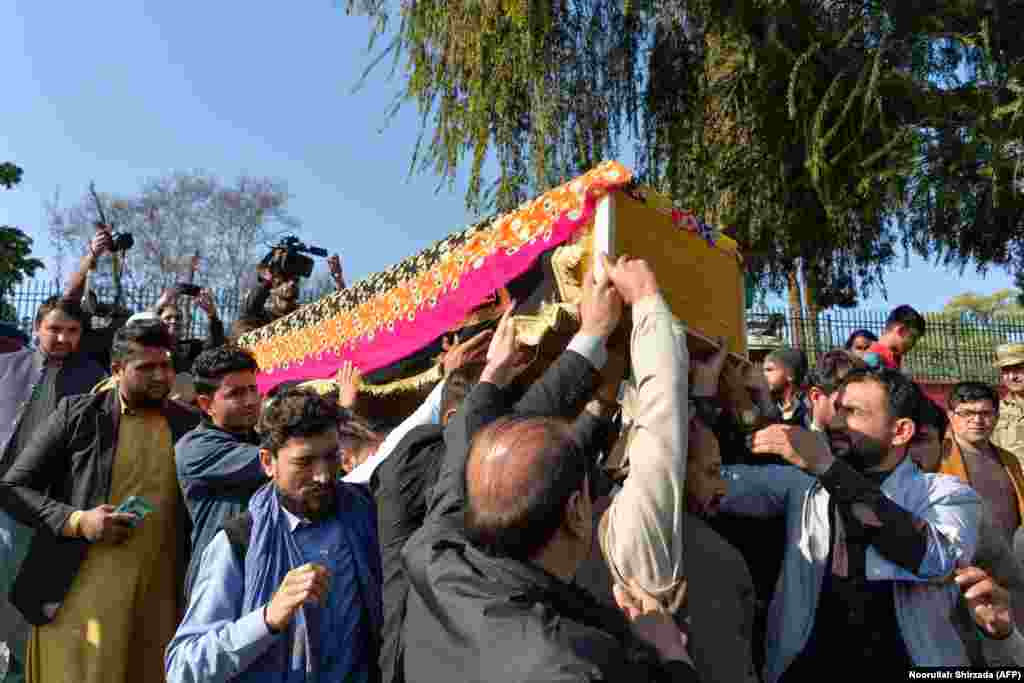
(930, 414)
(357, 428)
(520, 523)
(68, 307)
(969, 392)
(147, 333)
(908, 317)
(294, 412)
(867, 334)
(458, 385)
(904, 397)
(214, 364)
(793, 359)
(831, 368)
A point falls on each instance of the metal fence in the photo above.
(26, 298)
(951, 350)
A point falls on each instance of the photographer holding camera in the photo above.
(277, 293)
(187, 350)
(96, 341)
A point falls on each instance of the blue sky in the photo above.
(122, 90)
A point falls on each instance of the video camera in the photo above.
(288, 258)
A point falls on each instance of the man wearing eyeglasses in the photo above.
(970, 454)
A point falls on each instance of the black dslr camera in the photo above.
(289, 258)
(123, 241)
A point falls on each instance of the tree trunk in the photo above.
(796, 309)
(813, 310)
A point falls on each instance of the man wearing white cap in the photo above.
(1009, 432)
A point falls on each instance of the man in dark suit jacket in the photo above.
(92, 452)
(508, 523)
(32, 381)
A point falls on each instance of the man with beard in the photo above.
(218, 462)
(872, 541)
(291, 590)
(32, 381)
(784, 372)
(101, 586)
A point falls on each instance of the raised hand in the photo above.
(706, 373)
(798, 446)
(472, 350)
(348, 380)
(334, 265)
(307, 584)
(633, 278)
(101, 243)
(600, 307)
(505, 357)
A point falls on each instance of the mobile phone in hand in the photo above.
(187, 289)
(135, 505)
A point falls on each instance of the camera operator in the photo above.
(277, 292)
(96, 342)
(187, 350)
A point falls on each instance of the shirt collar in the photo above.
(127, 409)
(294, 521)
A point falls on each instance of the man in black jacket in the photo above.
(401, 485)
(32, 381)
(508, 523)
(101, 586)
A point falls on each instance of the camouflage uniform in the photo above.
(1009, 432)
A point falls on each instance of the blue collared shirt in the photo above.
(216, 642)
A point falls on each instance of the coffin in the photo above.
(391, 324)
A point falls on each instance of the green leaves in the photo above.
(813, 130)
(15, 247)
(10, 175)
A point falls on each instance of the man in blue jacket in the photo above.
(218, 462)
(290, 591)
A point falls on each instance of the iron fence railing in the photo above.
(21, 304)
(953, 349)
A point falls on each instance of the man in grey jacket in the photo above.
(32, 381)
(872, 542)
(218, 462)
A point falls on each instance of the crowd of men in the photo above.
(634, 514)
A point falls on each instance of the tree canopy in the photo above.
(826, 133)
(175, 217)
(16, 264)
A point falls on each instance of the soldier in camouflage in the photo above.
(1009, 433)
